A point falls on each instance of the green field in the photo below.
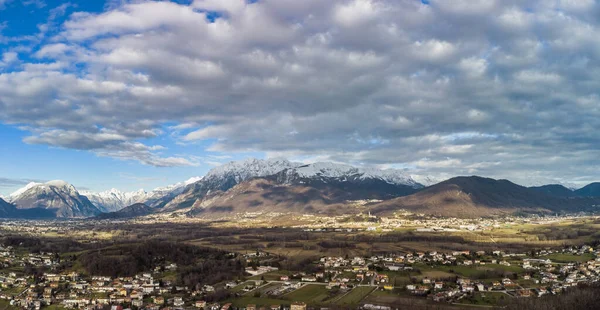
(398, 278)
(477, 271)
(246, 300)
(271, 276)
(355, 296)
(568, 258)
(310, 294)
(485, 298)
(54, 307)
(5, 305)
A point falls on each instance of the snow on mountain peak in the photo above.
(333, 170)
(330, 170)
(251, 167)
(60, 184)
(192, 180)
(23, 190)
(246, 169)
(114, 199)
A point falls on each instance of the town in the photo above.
(456, 277)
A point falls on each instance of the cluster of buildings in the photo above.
(531, 276)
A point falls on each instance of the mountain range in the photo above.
(115, 200)
(278, 185)
(53, 199)
(134, 210)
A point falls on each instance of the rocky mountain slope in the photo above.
(555, 190)
(134, 210)
(265, 195)
(6, 209)
(590, 190)
(476, 196)
(358, 183)
(114, 199)
(53, 199)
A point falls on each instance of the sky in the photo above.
(140, 94)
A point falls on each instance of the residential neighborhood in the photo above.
(435, 276)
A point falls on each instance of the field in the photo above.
(485, 299)
(5, 305)
(403, 300)
(355, 296)
(314, 294)
(98, 249)
(565, 258)
(258, 301)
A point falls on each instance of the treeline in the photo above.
(189, 231)
(583, 297)
(565, 233)
(403, 237)
(334, 244)
(130, 259)
(46, 245)
(210, 271)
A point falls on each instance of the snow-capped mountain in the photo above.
(428, 180)
(249, 168)
(114, 200)
(53, 199)
(341, 171)
(223, 178)
(356, 182)
(23, 189)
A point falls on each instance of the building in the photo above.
(298, 306)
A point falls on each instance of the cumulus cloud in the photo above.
(497, 88)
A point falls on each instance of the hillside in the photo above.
(135, 210)
(555, 190)
(340, 182)
(266, 195)
(477, 196)
(52, 199)
(590, 190)
(6, 209)
(114, 199)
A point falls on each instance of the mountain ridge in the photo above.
(54, 197)
(225, 177)
(134, 210)
(114, 199)
(590, 190)
(473, 196)
(280, 185)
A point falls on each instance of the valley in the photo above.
(260, 234)
(342, 262)
(279, 186)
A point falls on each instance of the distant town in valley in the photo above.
(299, 155)
(314, 262)
(325, 236)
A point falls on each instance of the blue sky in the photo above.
(130, 94)
(25, 162)
(37, 163)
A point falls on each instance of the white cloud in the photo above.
(453, 87)
(357, 12)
